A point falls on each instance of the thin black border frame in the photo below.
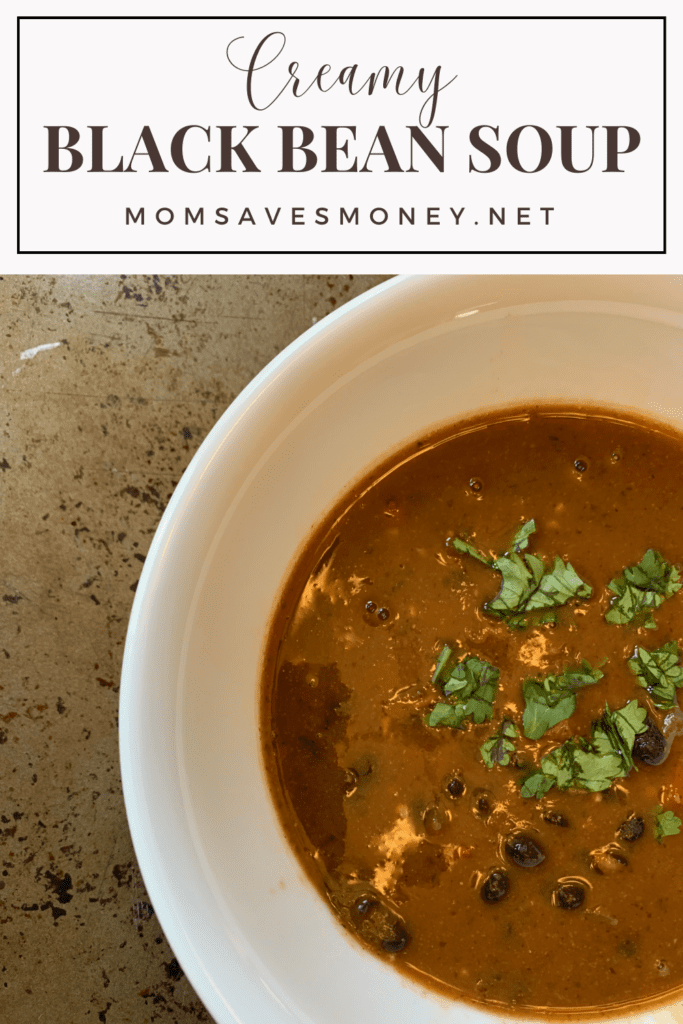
(352, 252)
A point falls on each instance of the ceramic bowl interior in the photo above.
(254, 938)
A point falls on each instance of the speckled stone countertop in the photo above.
(108, 386)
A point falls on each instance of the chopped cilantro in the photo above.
(521, 578)
(520, 541)
(462, 545)
(551, 700)
(441, 662)
(666, 823)
(537, 784)
(659, 672)
(470, 686)
(641, 588)
(591, 764)
(446, 714)
(498, 747)
(622, 727)
(527, 585)
(557, 769)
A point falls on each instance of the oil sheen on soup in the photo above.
(470, 711)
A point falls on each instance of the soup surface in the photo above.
(438, 845)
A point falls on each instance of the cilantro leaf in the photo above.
(622, 727)
(551, 700)
(470, 686)
(556, 769)
(441, 662)
(527, 585)
(559, 764)
(596, 766)
(520, 541)
(659, 672)
(447, 714)
(641, 588)
(540, 714)
(591, 764)
(537, 784)
(498, 747)
(558, 586)
(666, 823)
(521, 577)
(468, 549)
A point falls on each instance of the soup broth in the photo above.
(434, 844)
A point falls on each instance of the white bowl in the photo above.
(253, 937)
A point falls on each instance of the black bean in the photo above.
(495, 887)
(580, 465)
(523, 850)
(475, 484)
(379, 924)
(383, 614)
(569, 896)
(482, 806)
(555, 818)
(631, 829)
(371, 607)
(608, 862)
(650, 746)
(433, 821)
(482, 803)
(456, 787)
(398, 942)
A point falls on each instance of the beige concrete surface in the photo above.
(107, 387)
